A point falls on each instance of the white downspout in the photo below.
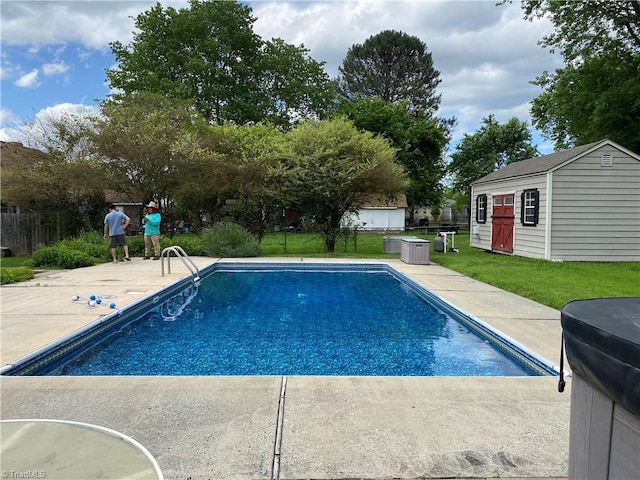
(547, 218)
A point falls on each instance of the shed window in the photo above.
(530, 206)
(481, 209)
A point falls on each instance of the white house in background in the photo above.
(577, 204)
(379, 214)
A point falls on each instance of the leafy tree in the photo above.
(419, 141)
(489, 149)
(143, 136)
(332, 169)
(209, 53)
(60, 177)
(588, 28)
(394, 66)
(599, 98)
(247, 157)
(596, 94)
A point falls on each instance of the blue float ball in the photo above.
(112, 305)
(92, 297)
(98, 301)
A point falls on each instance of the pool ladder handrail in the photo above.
(182, 255)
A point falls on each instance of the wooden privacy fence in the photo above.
(23, 233)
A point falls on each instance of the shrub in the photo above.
(61, 257)
(74, 259)
(45, 257)
(229, 240)
(190, 243)
(15, 274)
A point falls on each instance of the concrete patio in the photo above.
(330, 427)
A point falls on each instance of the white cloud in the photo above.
(52, 69)
(14, 129)
(9, 125)
(28, 80)
(487, 54)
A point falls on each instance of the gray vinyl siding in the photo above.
(596, 210)
(528, 241)
(483, 238)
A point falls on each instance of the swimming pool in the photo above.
(266, 319)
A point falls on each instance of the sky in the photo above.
(54, 54)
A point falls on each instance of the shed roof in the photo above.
(540, 164)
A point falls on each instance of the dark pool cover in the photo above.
(602, 340)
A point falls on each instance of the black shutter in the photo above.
(522, 208)
(536, 197)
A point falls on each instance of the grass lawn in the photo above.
(548, 283)
(14, 261)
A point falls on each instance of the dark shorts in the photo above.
(117, 240)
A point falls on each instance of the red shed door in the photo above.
(502, 223)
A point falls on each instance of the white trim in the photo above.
(547, 217)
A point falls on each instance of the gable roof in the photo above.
(546, 163)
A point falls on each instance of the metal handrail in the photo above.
(182, 255)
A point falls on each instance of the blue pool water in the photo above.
(287, 322)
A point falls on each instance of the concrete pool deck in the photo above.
(331, 427)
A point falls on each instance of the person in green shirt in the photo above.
(151, 222)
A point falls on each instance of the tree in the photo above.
(599, 98)
(596, 95)
(420, 143)
(332, 169)
(247, 158)
(210, 54)
(489, 149)
(588, 28)
(143, 138)
(393, 66)
(61, 177)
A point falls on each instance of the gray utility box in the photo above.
(602, 340)
(393, 244)
(415, 251)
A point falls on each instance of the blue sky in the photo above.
(54, 54)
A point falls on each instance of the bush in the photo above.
(92, 243)
(45, 257)
(15, 274)
(62, 257)
(229, 240)
(190, 243)
(74, 259)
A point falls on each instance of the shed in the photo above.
(580, 204)
(379, 214)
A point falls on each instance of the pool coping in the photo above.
(337, 427)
